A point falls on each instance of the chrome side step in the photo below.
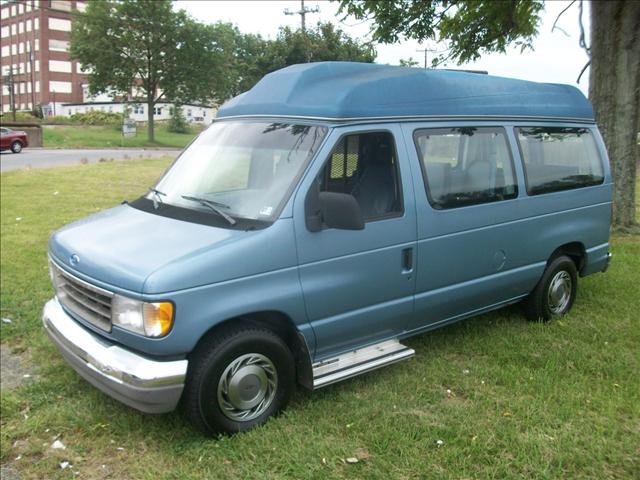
(359, 361)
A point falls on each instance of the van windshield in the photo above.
(244, 170)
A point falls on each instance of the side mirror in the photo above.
(340, 210)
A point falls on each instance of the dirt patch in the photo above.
(13, 372)
(8, 473)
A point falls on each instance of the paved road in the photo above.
(43, 158)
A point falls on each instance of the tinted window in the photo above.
(558, 158)
(366, 167)
(466, 166)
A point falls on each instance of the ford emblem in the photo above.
(74, 259)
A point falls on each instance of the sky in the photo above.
(556, 58)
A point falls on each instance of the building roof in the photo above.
(348, 90)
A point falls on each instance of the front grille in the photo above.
(87, 301)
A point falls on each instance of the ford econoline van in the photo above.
(327, 214)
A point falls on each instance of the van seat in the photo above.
(439, 175)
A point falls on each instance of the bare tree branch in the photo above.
(583, 70)
(583, 42)
(559, 15)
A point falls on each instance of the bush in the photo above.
(97, 117)
(177, 123)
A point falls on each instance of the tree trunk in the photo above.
(614, 90)
(150, 106)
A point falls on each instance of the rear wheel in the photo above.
(16, 147)
(238, 379)
(555, 293)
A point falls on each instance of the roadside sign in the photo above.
(129, 128)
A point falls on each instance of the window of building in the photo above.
(21, 47)
(6, 51)
(138, 109)
(157, 110)
(559, 158)
(13, 10)
(60, 24)
(36, 24)
(4, 32)
(14, 49)
(63, 5)
(28, 25)
(466, 166)
(20, 9)
(60, 66)
(21, 27)
(58, 45)
(365, 166)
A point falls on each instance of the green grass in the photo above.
(79, 136)
(560, 400)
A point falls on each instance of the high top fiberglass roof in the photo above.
(351, 91)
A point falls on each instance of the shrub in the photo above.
(97, 117)
(177, 123)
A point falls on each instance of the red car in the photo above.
(15, 140)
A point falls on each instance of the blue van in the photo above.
(330, 212)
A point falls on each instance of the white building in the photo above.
(137, 111)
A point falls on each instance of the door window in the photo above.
(365, 165)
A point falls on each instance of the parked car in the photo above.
(14, 140)
(327, 214)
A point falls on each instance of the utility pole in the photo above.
(425, 50)
(33, 86)
(303, 13)
(12, 93)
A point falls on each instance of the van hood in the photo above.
(129, 249)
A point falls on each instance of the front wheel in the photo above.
(555, 293)
(16, 147)
(238, 380)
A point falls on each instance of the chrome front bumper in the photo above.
(148, 385)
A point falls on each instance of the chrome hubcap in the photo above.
(247, 387)
(559, 293)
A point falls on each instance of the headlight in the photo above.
(149, 319)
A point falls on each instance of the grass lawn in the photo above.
(507, 398)
(78, 136)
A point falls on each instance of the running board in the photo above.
(359, 361)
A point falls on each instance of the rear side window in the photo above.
(466, 165)
(559, 158)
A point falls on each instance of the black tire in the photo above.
(202, 397)
(542, 305)
(16, 147)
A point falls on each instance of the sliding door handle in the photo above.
(407, 260)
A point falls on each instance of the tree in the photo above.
(408, 62)
(323, 43)
(255, 57)
(146, 46)
(474, 27)
(177, 123)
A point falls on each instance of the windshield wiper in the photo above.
(157, 197)
(215, 206)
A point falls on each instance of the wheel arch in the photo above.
(576, 251)
(280, 324)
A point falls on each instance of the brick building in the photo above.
(35, 57)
